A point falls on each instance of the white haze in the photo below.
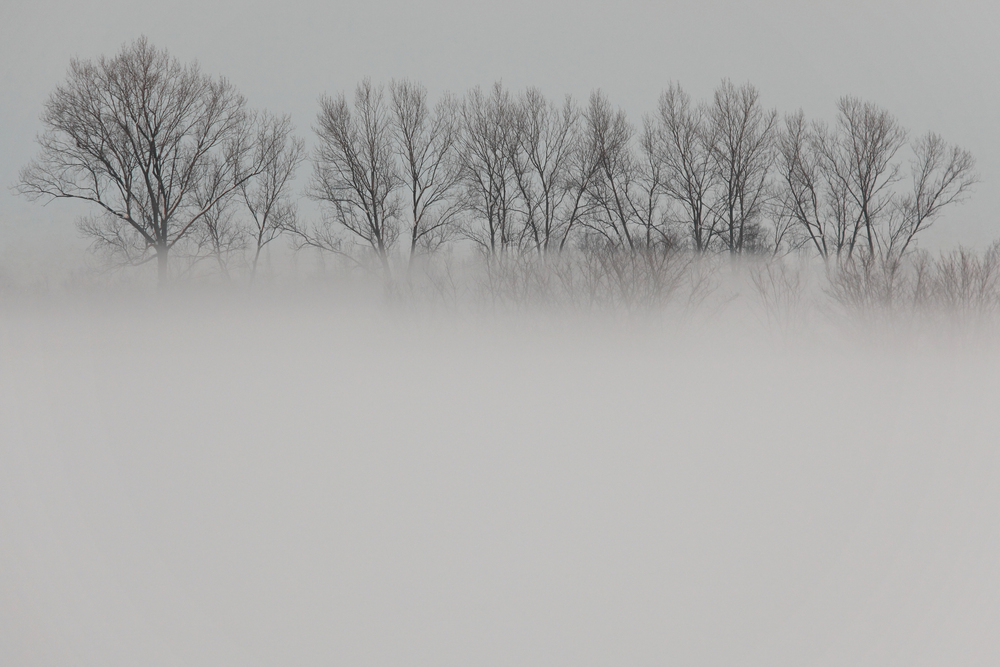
(209, 481)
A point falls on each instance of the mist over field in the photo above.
(306, 478)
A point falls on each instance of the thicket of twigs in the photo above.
(960, 286)
(921, 292)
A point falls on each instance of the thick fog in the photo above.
(307, 479)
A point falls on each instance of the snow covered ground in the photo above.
(308, 482)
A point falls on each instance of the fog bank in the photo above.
(307, 481)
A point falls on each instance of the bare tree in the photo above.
(545, 157)
(811, 200)
(355, 169)
(266, 196)
(942, 175)
(743, 152)
(859, 159)
(840, 185)
(627, 189)
(355, 173)
(610, 134)
(647, 197)
(266, 209)
(966, 284)
(220, 236)
(138, 135)
(683, 142)
(426, 142)
(583, 169)
(487, 145)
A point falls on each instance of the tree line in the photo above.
(174, 163)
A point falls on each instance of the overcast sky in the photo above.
(933, 64)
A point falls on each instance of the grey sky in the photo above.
(933, 64)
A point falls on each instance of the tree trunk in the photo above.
(161, 266)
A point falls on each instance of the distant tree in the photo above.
(683, 141)
(220, 238)
(647, 197)
(153, 144)
(487, 147)
(942, 174)
(842, 185)
(356, 174)
(626, 192)
(266, 196)
(547, 153)
(610, 134)
(236, 228)
(742, 156)
(859, 158)
(816, 204)
(426, 140)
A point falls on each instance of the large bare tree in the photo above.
(426, 141)
(683, 141)
(266, 196)
(842, 185)
(942, 174)
(547, 155)
(235, 230)
(627, 189)
(610, 134)
(153, 144)
(808, 198)
(487, 147)
(743, 152)
(356, 173)
(859, 158)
